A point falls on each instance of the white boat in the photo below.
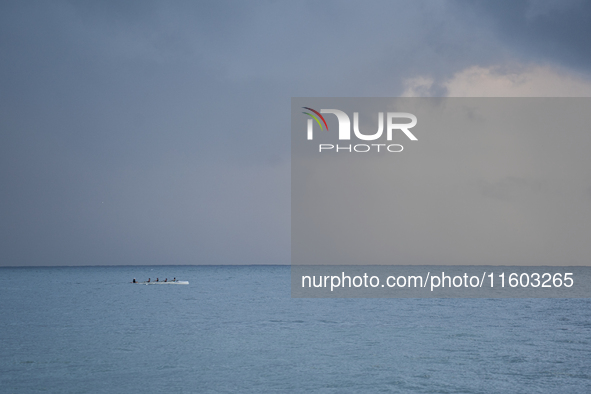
(178, 282)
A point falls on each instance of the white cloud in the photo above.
(530, 81)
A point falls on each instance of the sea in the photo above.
(236, 329)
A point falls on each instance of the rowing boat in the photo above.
(178, 282)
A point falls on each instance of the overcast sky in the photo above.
(142, 132)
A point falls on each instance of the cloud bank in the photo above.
(158, 133)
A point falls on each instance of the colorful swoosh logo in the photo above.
(315, 118)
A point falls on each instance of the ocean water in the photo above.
(236, 329)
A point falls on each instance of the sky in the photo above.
(143, 132)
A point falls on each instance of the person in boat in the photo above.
(166, 279)
(156, 279)
(134, 280)
(174, 280)
(148, 280)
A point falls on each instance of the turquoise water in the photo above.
(236, 329)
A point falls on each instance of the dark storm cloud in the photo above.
(158, 132)
(548, 30)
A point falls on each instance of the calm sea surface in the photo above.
(236, 329)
